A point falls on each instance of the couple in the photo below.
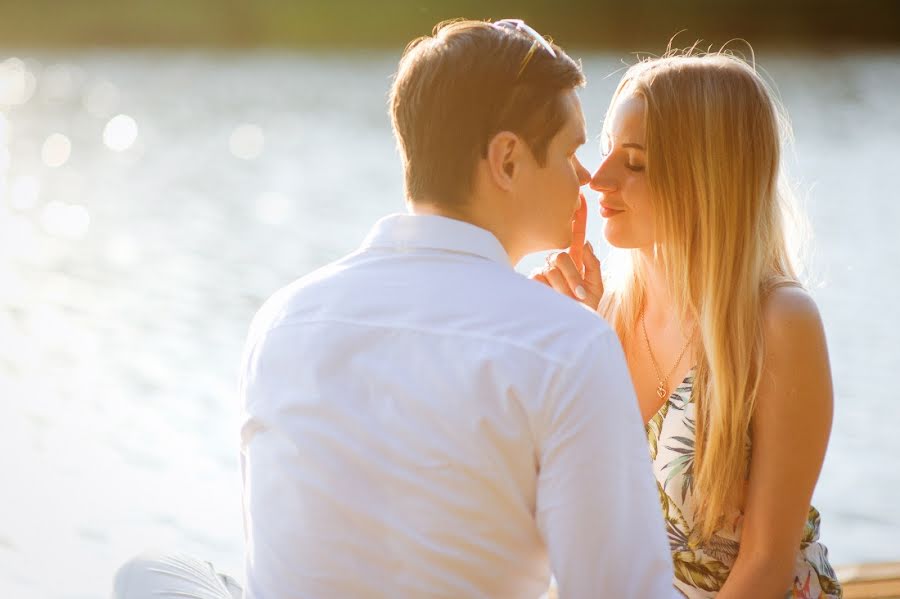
(419, 420)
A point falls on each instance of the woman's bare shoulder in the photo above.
(789, 315)
(796, 351)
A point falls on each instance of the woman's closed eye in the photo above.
(606, 148)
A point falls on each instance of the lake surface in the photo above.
(134, 251)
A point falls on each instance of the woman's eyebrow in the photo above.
(636, 146)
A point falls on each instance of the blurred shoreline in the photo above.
(595, 25)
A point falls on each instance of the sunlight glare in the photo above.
(68, 221)
(273, 208)
(122, 251)
(24, 192)
(4, 160)
(17, 236)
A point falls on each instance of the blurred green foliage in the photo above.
(633, 24)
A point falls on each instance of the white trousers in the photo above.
(154, 575)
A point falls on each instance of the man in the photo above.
(419, 420)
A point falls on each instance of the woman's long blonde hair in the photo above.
(714, 132)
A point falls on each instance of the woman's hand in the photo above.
(576, 272)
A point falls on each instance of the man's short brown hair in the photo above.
(457, 88)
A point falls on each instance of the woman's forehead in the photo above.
(627, 117)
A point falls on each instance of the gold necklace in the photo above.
(661, 388)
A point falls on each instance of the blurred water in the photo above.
(130, 266)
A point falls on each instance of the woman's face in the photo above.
(621, 179)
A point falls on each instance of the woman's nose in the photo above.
(603, 182)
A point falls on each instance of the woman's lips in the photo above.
(608, 212)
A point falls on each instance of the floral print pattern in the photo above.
(702, 568)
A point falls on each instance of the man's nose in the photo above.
(584, 175)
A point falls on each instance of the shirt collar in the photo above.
(406, 232)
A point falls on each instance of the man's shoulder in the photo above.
(479, 299)
(290, 299)
(556, 325)
(541, 303)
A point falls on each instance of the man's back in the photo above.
(416, 424)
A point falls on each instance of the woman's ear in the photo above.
(503, 158)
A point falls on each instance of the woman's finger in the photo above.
(579, 229)
(538, 275)
(558, 282)
(593, 277)
(572, 274)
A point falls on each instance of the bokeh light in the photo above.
(246, 141)
(17, 83)
(120, 133)
(56, 150)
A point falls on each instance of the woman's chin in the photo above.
(623, 239)
(615, 238)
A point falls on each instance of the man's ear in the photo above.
(503, 156)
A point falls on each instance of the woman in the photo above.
(725, 348)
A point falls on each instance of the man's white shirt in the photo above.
(420, 420)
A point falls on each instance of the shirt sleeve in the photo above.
(597, 500)
(269, 459)
(273, 542)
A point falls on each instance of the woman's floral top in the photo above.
(701, 569)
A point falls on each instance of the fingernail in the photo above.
(580, 293)
(589, 247)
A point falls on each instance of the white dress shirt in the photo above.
(420, 420)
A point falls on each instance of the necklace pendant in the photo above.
(661, 391)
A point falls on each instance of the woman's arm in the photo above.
(791, 425)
